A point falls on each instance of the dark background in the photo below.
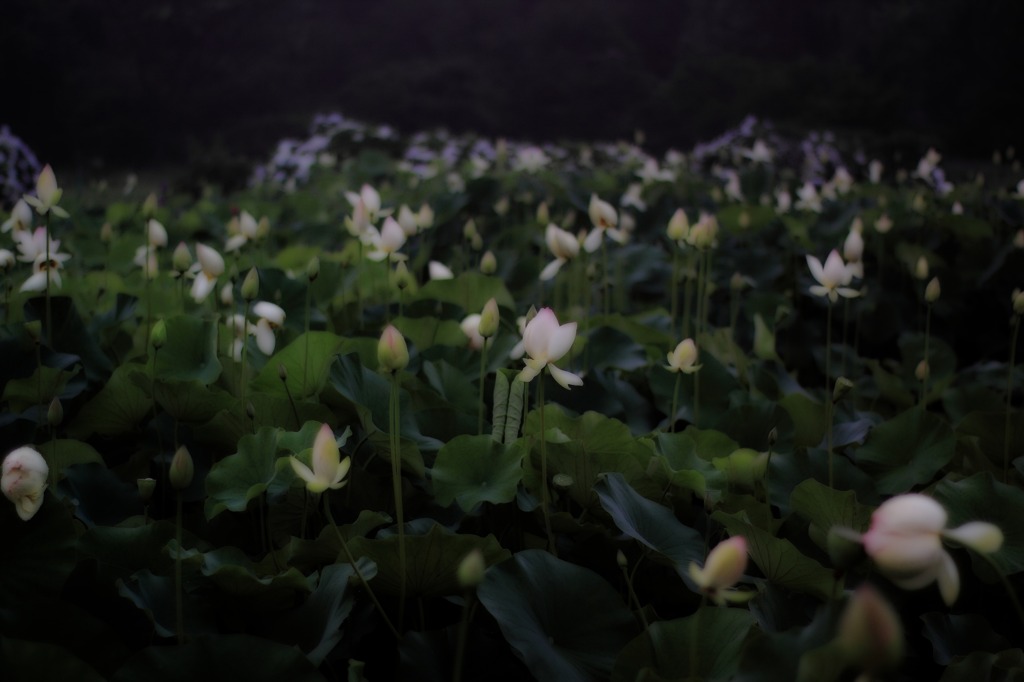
(158, 82)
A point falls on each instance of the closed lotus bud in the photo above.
(472, 569)
(921, 268)
(158, 335)
(34, 329)
(1018, 301)
(146, 487)
(227, 295)
(488, 263)
(621, 560)
(764, 339)
(922, 371)
(392, 351)
(743, 467)
(23, 480)
(870, 632)
(842, 387)
(678, 226)
(501, 206)
(107, 233)
(469, 230)
(401, 277)
(181, 260)
(182, 469)
(477, 242)
(932, 291)
(149, 206)
(489, 319)
(55, 413)
(251, 285)
(313, 269)
(543, 214)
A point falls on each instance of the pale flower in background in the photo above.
(48, 194)
(271, 317)
(24, 480)
(243, 230)
(759, 153)
(209, 266)
(545, 341)
(724, 567)
(21, 218)
(604, 219)
(683, 358)
(808, 198)
(438, 270)
(387, 241)
(832, 278)
(563, 245)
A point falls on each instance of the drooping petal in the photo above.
(302, 471)
(551, 269)
(949, 579)
(36, 282)
(565, 378)
(593, 240)
(561, 341)
(270, 312)
(265, 338)
(202, 286)
(981, 536)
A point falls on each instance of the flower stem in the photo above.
(355, 567)
(675, 404)
(305, 362)
(828, 391)
(396, 480)
(1009, 401)
(674, 289)
(178, 598)
(49, 316)
(545, 495)
(483, 374)
(927, 339)
(245, 353)
(460, 647)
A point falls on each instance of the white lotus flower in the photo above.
(724, 567)
(832, 277)
(21, 218)
(563, 245)
(438, 270)
(759, 153)
(329, 470)
(243, 230)
(604, 219)
(48, 194)
(209, 266)
(387, 242)
(684, 358)
(24, 480)
(545, 341)
(271, 317)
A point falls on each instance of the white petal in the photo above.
(814, 265)
(538, 334)
(565, 378)
(980, 536)
(551, 269)
(949, 579)
(202, 286)
(593, 241)
(36, 282)
(265, 337)
(561, 341)
(269, 311)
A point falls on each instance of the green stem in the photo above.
(355, 567)
(633, 598)
(396, 480)
(291, 401)
(828, 391)
(305, 362)
(687, 294)
(178, 598)
(675, 403)
(149, 289)
(460, 647)
(674, 290)
(846, 317)
(483, 374)
(1009, 399)
(694, 632)
(245, 353)
(604, 277)
(545, 495)
(49, 317)
(927, 339)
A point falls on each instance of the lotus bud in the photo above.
(476, 243)
(158, 335)
(870, 632)
(471, 569)
(921, 269)
(146, 487)
(842, 387)
(743, 467)
(621, 560)
(227, 295)
(488, 263)
(932, 291)
(501, 206)
(425, 217)
(1018, 301)
(181, 260)
(678, 226)
(182, 469)
(922, 371)
(723, 569)
(401, 278)
(489, 319)
(764, 339)
(313, 269)
(149, 206)
(543, 214)
(107, 233)
(251, 285)
(55, 413)
(392, 351)
(469, 230)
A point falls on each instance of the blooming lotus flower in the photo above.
(438, 270)
(365, 210)
(329, 470)
(44, 271)
(471, 328)
(652, 173)
(24, 480)
(723, 569)
(563, 245)
(33, 244)
(387, 241)
(243, 230)
(732, 185)
(271, 317)
(545, 341)
(633, 197)
(684, 358)
(7, 259)
(808, 199)
(842, 180)
(783, 201)
(156, 233)
(883, 224)
(832, 277)
(48, 194)
(145, 258)
(853, 251)
(21, 218)
(530, 159)
(241, 329)
(905, 542)
(407, 219)
(704, 233)
(604, 219)
(759, 153)
(875, 169)
(208, 269)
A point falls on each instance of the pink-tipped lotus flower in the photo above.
(24, 480)
(545, 341)
(329, 470)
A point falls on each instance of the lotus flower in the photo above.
(905, 542)
(684, 358)
(208, 269)
(21, 218)
(563, 245)
(242, 230)
(438, 270)
(723, 569)
(24, 480)
(271, 317)
(387, 241)
(604, 219)
(832, 277)
(48, 194)
(329, 470)
(545, 341)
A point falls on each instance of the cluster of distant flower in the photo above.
(18, 167)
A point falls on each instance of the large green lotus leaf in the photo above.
(453, 385)
(800, 653)
(316, 625)
(808, 419)
(235, 574)
(64, 452)
(788, 469)
(304, 379)
(987, 432)
(563, 620)
(190, 353)
(431, 560)
(243, 476)
(640, 328)
(907, 450)
(427, 332)
(119, 406)
(191, 401)
(38, 555)
(982, 498)
(982, 666)
(716, 385)
(780, 561)
(954, 635)
(584, 447)
(40, 388)
(684, 467)
(470, 470)
(129, 548)
(25, 660)
(667, 646)
(303, 439)
(311, 555)
(99, 496)
(649, 523)
(609, 347)
(70, 334)
(276, 411)
(750, 423)
(470, 290)
(219, 657)
(824, 507)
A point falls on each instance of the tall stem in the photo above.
(396, 480)
(460, 647)
(49, 316)
(305, 362)
(245, 353)
(927, 339)
(687, 294)
(483, 374)
(355, 567)
(604, 277)
(178, 598)
(828, 391)
(674, 290)
(1009, 399)
(545, 496)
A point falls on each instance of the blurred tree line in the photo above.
(161, 81)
